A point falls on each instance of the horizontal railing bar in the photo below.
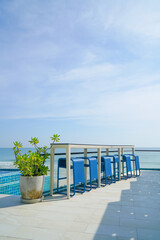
(150, 162)
(154, 169)
(146, 150)
(110, 151)
(74, 153)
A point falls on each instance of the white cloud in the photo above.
(89, 72)
(79, 61)
(94, 63)
(143, 21)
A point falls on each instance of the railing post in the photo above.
(119, 156)
(99, 167)
(68, 157)
(85, 161)
(107, 151)
(52, 151)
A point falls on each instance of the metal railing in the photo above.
(115, 151)
(152, 161)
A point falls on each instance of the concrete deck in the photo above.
(129, 209)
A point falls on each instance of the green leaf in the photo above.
(34, 141)
(55, 138)
(31, 163)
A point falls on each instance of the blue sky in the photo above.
(88, 70)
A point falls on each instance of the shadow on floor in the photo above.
(10, 201)
(136, 215)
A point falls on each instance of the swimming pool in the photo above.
(9, 182)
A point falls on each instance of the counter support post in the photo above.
(99, 167)
(52, 151)
(122, 152)
(68, 157)
(133, 152)
(119, 156)
(85, 161)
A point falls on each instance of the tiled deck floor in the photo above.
(129, 209)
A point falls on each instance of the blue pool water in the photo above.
(4, 172)
(9, 183)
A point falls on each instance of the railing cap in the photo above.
(91, 145)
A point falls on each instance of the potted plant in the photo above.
(32, 168)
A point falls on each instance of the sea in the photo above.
(149, 157)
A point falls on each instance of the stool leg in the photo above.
(74, 186)
(58, 179)
(90, 177)
(90, 184)
(118, 169)
(123, 166)
(111, 179)
(74, 191)
(114, 165)
(105, 180)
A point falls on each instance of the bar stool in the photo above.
(106, 169)
(93, 170)
(115, 163)
(116, 166)
(78, 173)
(137, 165)
(127, 160)
(135, 159)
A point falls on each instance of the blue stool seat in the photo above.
(106, 169)
(93, 170)
(135, 159)
(116, 166)
(78, 173)
(127, 160)
(137, 165)
(115, 163)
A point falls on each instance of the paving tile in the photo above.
(105, 219)
(147, 213)
(86, 236)
(38, 233)
(13, 238)
(148, 234)
(126, 238)
(113, 230)
(8, 229)
(127, 222)
(64, 226)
